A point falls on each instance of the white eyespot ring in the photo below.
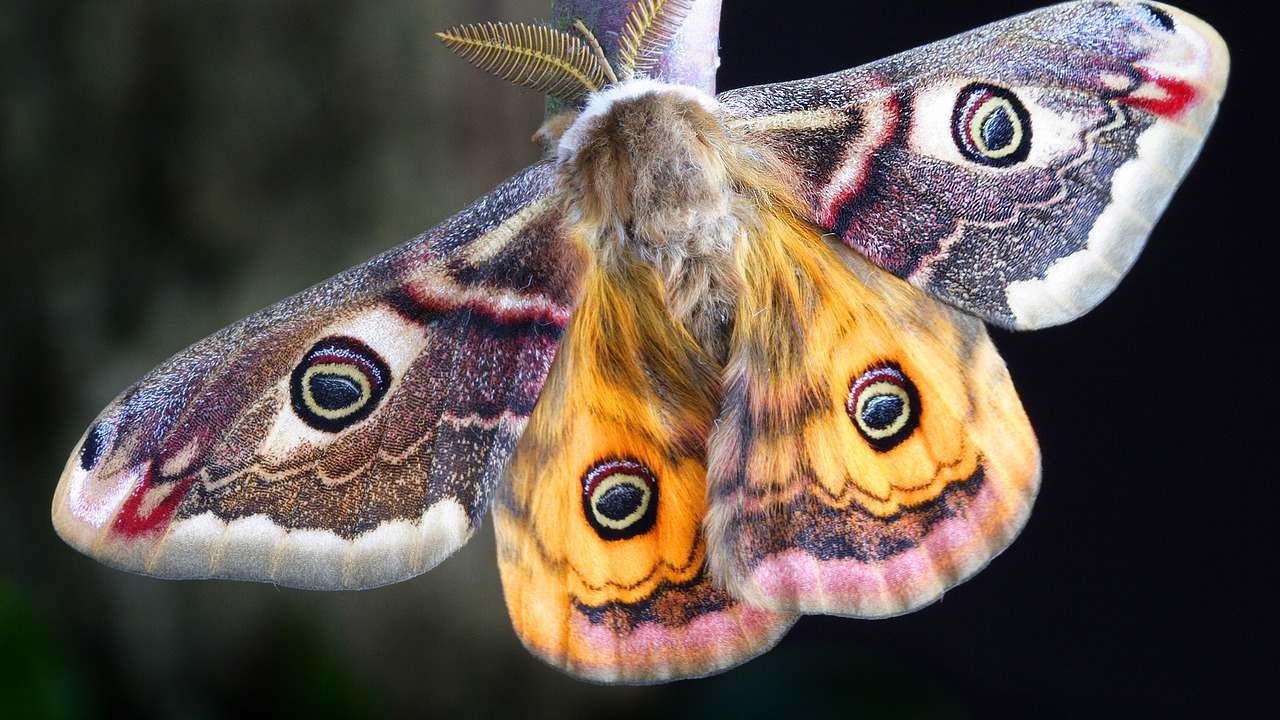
(991, 126)
(620, 499)
(884, 406)
(338, 383)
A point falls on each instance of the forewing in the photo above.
(349, 436)
(1014, 171)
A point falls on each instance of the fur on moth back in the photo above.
(653, 180)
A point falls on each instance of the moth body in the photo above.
(652, 178)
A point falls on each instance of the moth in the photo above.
(713, 364)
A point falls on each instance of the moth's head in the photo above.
(645, 153)
(636, 107)
(569, 64)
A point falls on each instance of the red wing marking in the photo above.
(881, 125)
(1174, 95)
(149, 507)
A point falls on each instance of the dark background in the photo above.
(168, 167)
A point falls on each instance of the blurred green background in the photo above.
(169, 166)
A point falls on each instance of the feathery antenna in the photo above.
(650, 28)
(532, 56)
(595, 47)
(562, 65)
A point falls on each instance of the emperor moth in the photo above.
(715, 362)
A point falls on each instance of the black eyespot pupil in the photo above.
(335, 392)
(884, 406)
(882, 411)
(620, 501)
(1159, 17)
(92, 448)
(991, 126)
(997, 129)
(338, 383)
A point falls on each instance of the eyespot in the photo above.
(94, 443)
(338, 383)
(884, 405)
(620, 499)
(1158, 17)
(991, 126)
